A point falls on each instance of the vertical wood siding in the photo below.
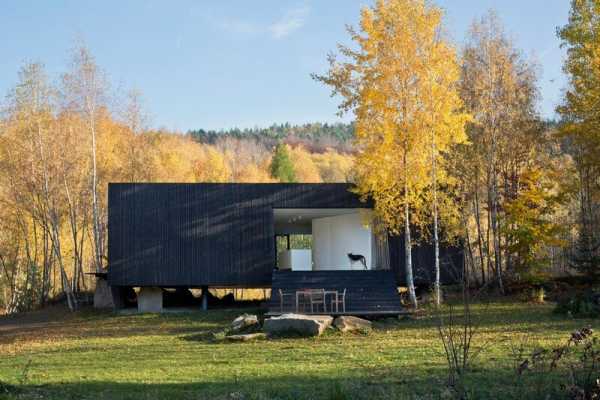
(211, 234)
(203, 234)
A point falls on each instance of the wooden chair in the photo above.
(317, 297)
(281, 298)
(337, 300)
(303, 299)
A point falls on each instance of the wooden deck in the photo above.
(368, 293)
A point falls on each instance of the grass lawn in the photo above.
(89, 355)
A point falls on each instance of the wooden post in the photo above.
(276, 252)
(204, 298)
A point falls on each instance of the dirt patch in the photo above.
(54, 320)
(33, 319)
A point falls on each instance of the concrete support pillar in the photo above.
(103, 296)
(204, 298)
(150, 299)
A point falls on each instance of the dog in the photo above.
(357, 257)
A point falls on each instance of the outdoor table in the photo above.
(308, 293)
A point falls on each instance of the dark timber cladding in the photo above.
(367, 292)
(203, 234)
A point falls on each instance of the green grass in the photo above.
(92, 355)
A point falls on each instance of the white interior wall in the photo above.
(334, 237)
(295, 259)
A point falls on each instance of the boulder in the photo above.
(346, 323)
(244, 321)
(247, 337)
(305, 325)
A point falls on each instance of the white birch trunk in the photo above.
(98, 251)
(436, 241)
(410, 283)
(54, 225)
(496, 237)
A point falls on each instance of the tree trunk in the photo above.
(492, 172)
(53, 219)
(496, 235)
(81, 251)
(464, 218)
(410, 283)
(98, 251)
(436, 241)
(479, 236)
(71, 300)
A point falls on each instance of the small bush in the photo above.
(582, 305)
(579, 357)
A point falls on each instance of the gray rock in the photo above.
(244, 321)
(348, 323)
(247, 337)
(306, 325)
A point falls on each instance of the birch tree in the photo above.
(392, 81)
(136, 120)
(498, 89)
(445, 126)
(33, 111)
(85, 92)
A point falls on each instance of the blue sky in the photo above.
(219, 64)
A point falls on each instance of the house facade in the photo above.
(224, 235)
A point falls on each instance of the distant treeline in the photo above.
(314, 136)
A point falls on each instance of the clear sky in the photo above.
(219, 64)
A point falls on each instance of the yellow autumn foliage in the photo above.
(304, 166)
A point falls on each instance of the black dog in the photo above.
(358, 257)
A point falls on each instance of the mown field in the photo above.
(53, 354)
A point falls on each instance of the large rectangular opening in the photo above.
(324, 239)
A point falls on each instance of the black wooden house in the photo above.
(230, 235)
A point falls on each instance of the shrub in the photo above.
(582, 304)
(579, 357)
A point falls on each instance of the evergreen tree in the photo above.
(586, 258)
(281, 166)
